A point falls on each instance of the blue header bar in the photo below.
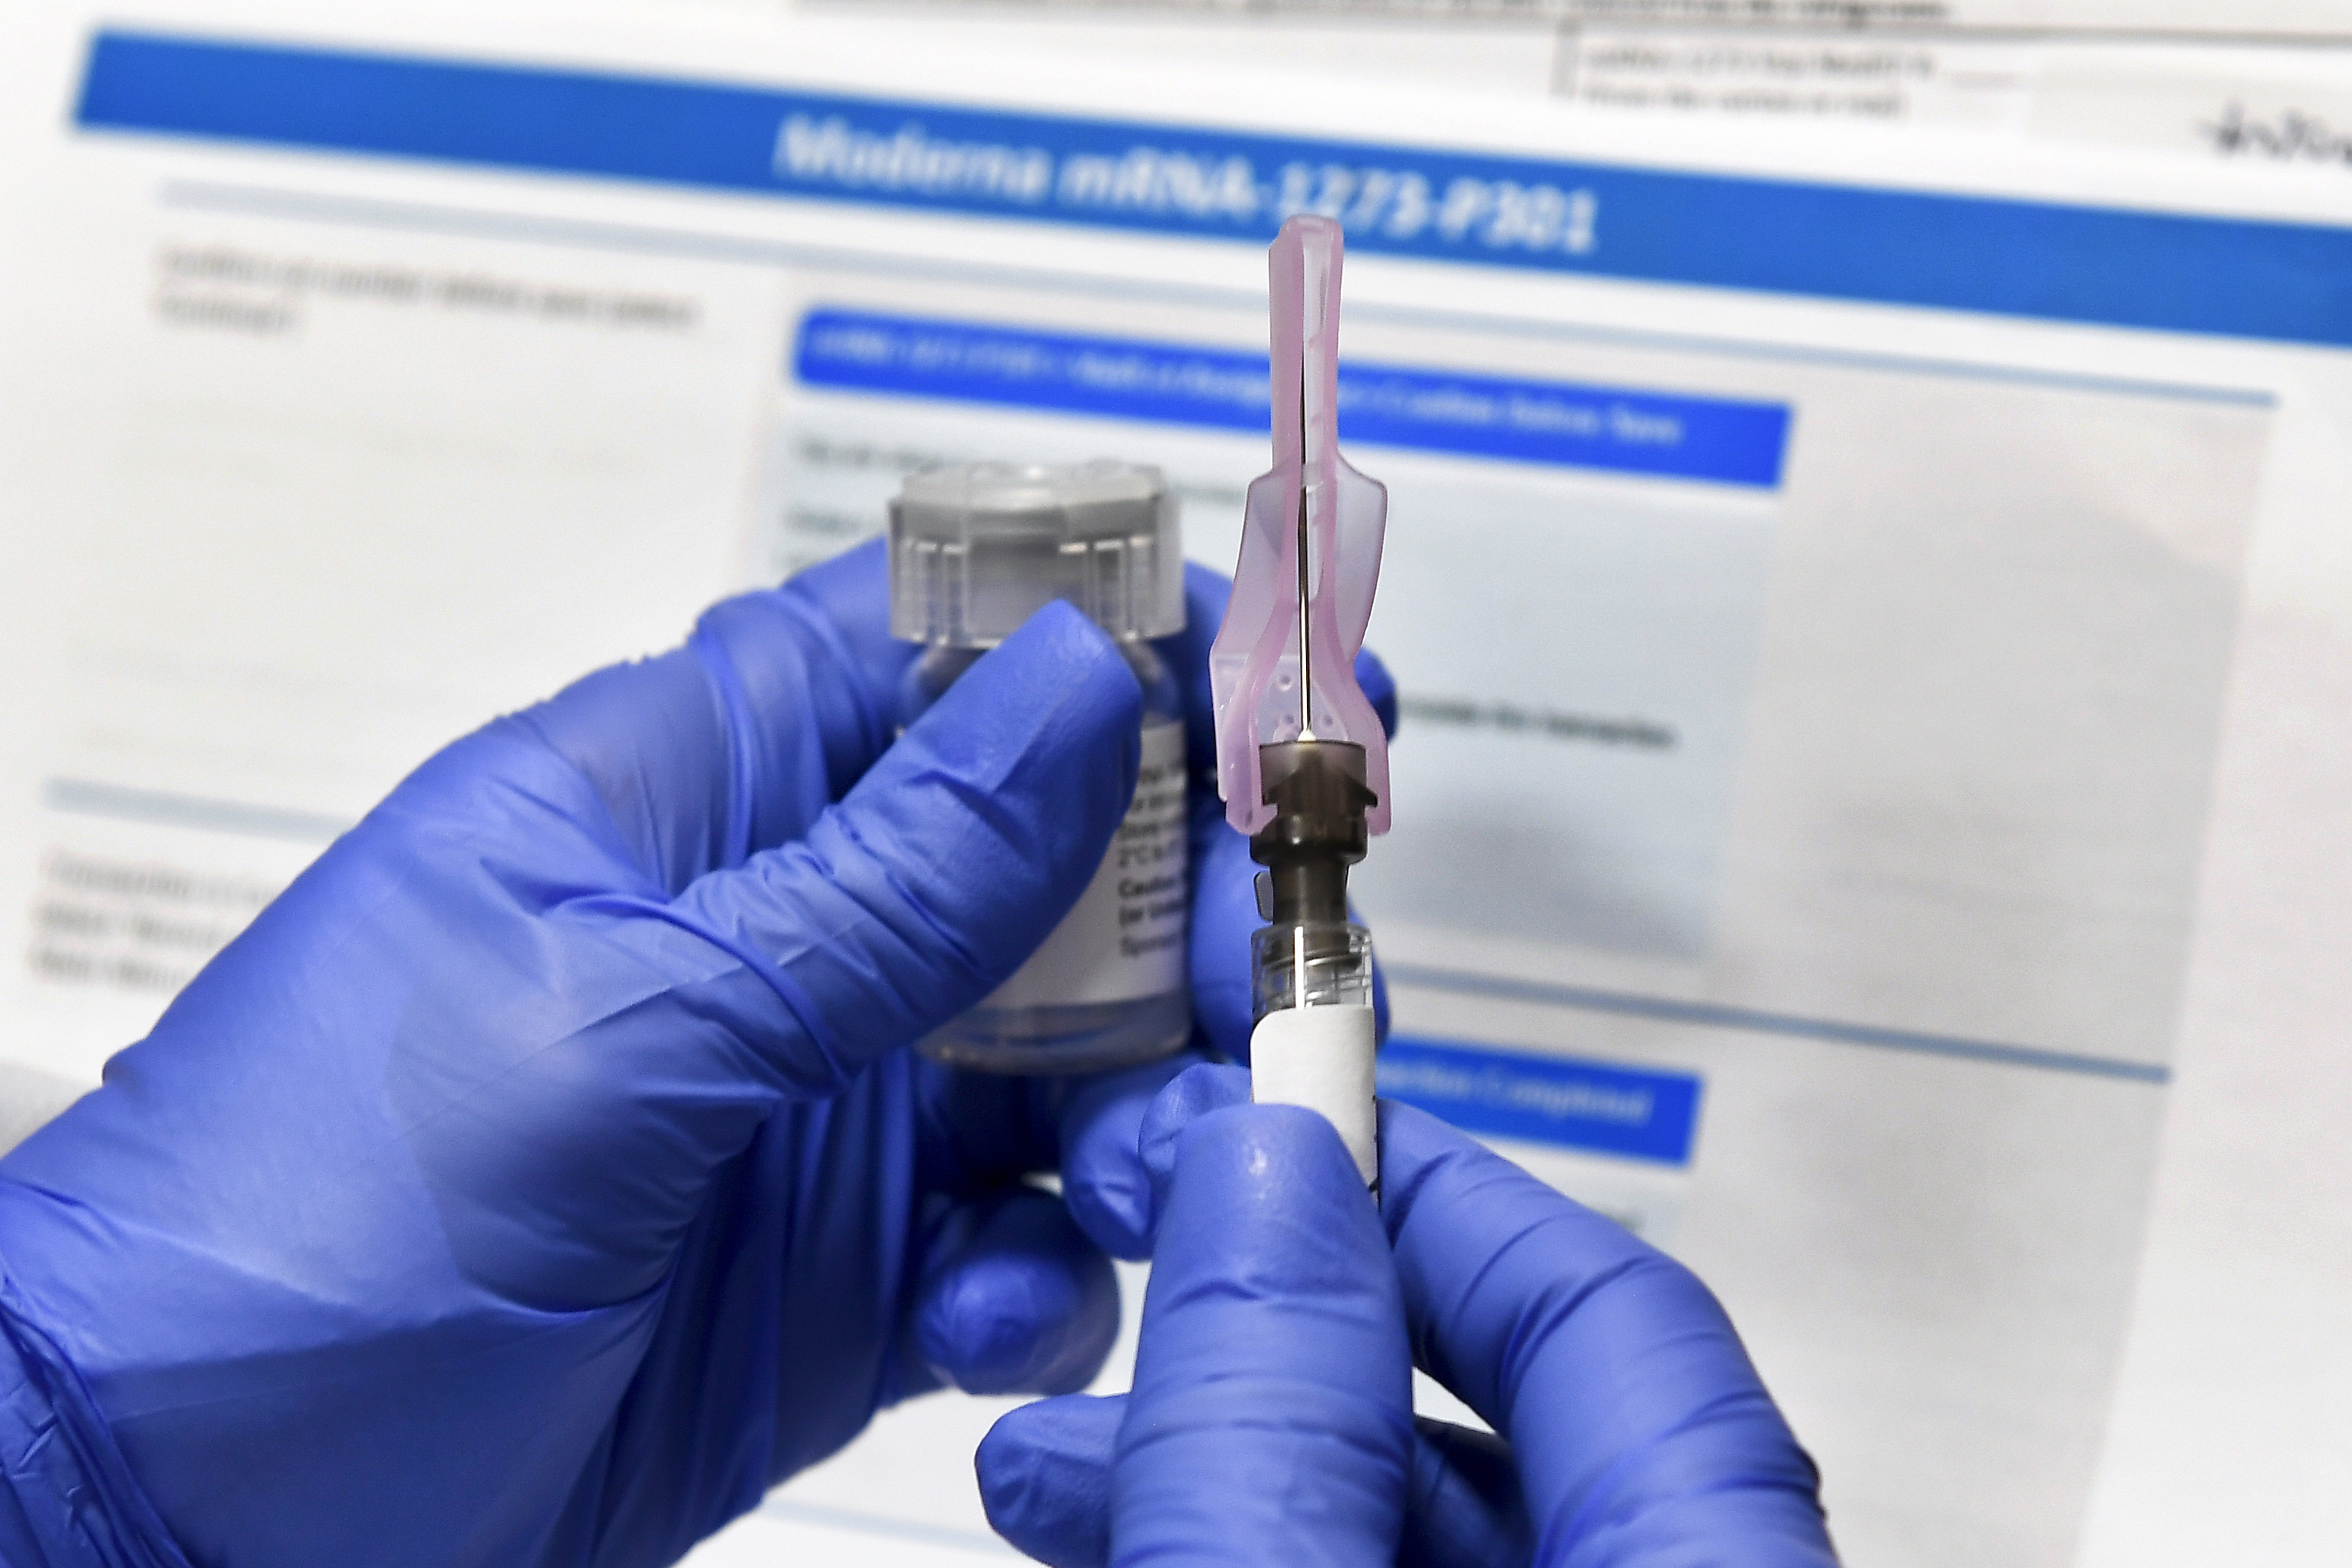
(2289, 282)
(1639, 1113)
(1714, 439)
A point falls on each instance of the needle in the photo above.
(1306, 666)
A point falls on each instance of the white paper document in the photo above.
(1871, 614)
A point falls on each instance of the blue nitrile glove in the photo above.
(1271, 1419)
(1638, 1433)
(541, 1177)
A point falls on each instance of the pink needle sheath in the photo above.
(1254, 665)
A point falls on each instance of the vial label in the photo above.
(1124, 939)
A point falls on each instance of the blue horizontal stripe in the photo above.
(1719, 440)
(2289, 282)
(1708, 1015)
(1636, 1112)
(91, 797)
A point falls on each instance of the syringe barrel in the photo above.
(1316, 1035)
(1311, 968)
(1325, 965)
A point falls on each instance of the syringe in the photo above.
(1303, 761)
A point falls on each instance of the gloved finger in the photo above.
(1103, 1185)
(1224, 913)
(1379, 688)
(1017, 1300)
(1271, 1417)
(1264, 1354)
(1635, 1418)
(1190, 1095)
(1044, 1478)
(1466, 1511)
(978, 1131)
(975, 1131)
(779, 702)
(931, 882)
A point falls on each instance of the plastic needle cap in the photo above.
(1255, 666)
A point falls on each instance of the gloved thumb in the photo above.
(1045, 1468)
(1016, 1299)
(781, 979)
(1271, 1420)
(950, 860)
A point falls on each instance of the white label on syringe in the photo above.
(1124, 939)
(1321, 1058)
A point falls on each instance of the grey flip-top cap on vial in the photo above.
(978, 548)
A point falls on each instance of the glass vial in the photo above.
(975, 550)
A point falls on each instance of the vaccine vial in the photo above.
(975, 551)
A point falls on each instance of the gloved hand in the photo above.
(541, 1178)
(1269, 1418)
